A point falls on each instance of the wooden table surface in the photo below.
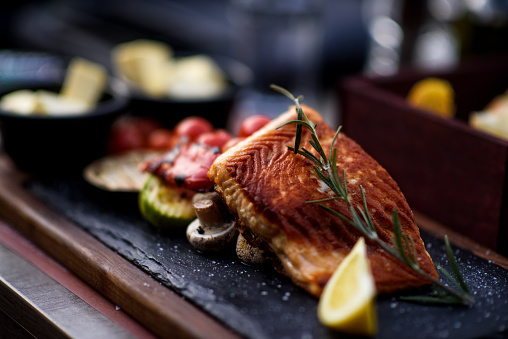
(33, 279)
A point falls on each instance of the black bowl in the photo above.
(63, 143)
(170, 111)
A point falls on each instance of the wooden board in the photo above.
(448, 170)
(166, 313)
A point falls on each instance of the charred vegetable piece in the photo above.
(119, 172)
(185, 166)
(164, 206)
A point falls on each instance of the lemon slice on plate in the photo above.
(433, 94)
(347, 302)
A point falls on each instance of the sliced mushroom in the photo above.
(249, 253)
(210, 232)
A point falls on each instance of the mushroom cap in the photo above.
(208, 239)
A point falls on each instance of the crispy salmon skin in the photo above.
(267, 187)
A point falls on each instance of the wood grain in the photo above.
(46, 308)
(158, 308)
(446, 169)
(460, 240)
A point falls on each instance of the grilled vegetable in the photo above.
(165, 206)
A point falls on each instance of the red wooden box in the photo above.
(446, 169)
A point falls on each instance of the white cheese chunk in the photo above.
(21, 102)
(145, 63)
(85, 82)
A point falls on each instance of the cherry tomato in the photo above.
(232, 142)
(192, 127)
(130, 132)
(146, 125)
(125, 137)
(161, 138)
(252, 124)
(214, 139)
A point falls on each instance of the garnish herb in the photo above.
(401, 247)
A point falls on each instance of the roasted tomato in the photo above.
(146, 125)
(192, 127)
(125, 137)
(252, 124)
(186, 164)
(214, 139)
(162, 138)
(129, 133)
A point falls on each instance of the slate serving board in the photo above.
(258, 302)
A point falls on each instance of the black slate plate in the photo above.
(258, 302)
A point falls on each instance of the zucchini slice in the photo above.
(164, 206)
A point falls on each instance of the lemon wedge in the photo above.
(433, 94)
(347, 302)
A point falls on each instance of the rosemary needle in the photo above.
(402, 248)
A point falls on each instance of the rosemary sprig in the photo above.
(401, 247)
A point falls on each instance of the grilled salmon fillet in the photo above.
(267, 187)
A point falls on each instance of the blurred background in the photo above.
(306, 46)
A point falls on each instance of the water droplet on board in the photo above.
(443, 334)
(286, 296)
(264, 293)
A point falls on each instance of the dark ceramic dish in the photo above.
(63, 143)
(216, 110)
